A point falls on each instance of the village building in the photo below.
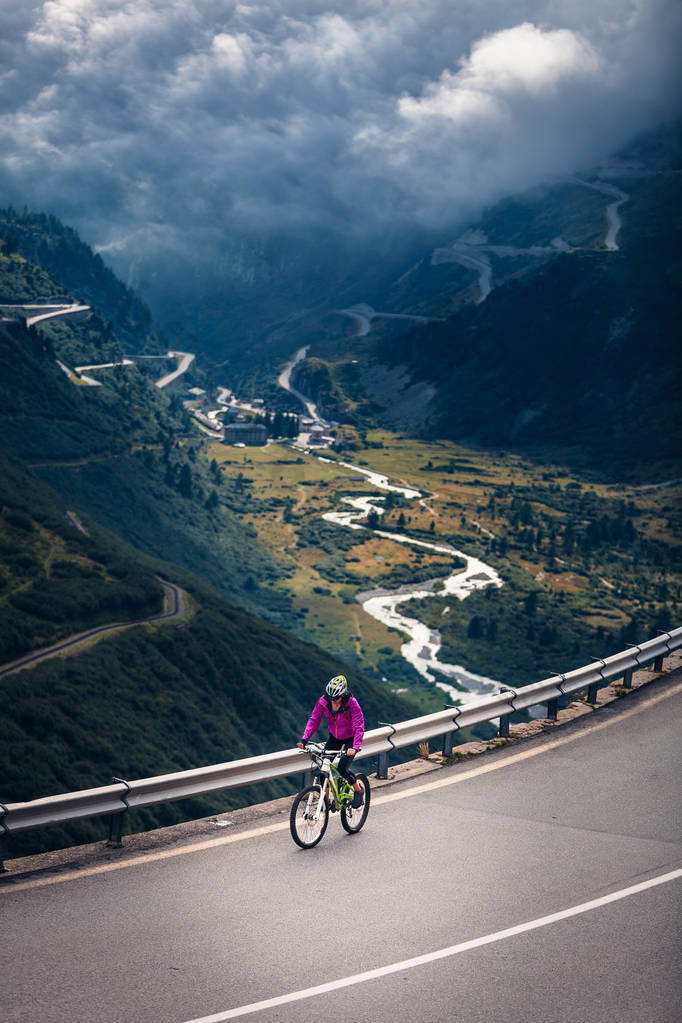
(318, 437)
(245, 433)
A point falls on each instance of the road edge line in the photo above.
(444, 953)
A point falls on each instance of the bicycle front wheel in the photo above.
(351, 819)
(306, 824)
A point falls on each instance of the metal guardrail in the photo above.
(116, 799)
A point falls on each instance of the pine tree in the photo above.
(185, 481)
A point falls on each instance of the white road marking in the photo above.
(443, 953)
(7, 886)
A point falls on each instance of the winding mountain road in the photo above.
(539, 884)
(284, 380)
(473, 252)
(185, 360)
(363, 315)
(174, 607)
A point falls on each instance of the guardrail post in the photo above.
(449, 737)
(5, 831)
(382, 759)
(627, 679)
(306, 779)
(115, 840)
(553, 704)
(592, 687)
(658, 663)
(505, 719)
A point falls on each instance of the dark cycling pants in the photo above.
(336, 744)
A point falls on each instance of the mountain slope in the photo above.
(555, 326)
(217, 685)
(581, 353)
(58, 577)
(220, 684)
(124, 452)
(45, 416)
(52, 246)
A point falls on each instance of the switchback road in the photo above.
(173, 607)
(532, 885)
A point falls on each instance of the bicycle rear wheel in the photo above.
(351, 819)
(306, 830)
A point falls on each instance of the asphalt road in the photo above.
(173, 600)
(560, 823)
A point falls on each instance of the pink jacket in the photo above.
(348, 723)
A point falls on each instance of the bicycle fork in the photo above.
(320, 803)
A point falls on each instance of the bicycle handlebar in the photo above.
(317, 752)
(321, 750)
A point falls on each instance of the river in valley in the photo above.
(423, 644)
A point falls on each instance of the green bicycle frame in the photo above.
(338, 787)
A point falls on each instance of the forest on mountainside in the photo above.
(58, 576)
(216, 685)
(125, 451)
(580, 354)
(48, 245)
(573, 350)
(219, 683)
(551, 327)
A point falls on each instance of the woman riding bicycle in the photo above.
(346, 728)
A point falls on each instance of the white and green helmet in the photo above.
(336, 687)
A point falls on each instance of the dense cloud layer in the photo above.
(172, 123)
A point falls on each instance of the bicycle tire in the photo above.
(307, 833)
(352, 820)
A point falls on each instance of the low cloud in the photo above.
(173, 125)
(513, 114)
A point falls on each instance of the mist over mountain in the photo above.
(549, 323)
(245, 159)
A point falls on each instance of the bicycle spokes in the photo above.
(310, 810)
(309, 816)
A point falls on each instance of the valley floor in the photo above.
(398, 520)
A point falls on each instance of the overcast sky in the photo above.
(164, 123)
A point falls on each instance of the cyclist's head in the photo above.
(337, 687)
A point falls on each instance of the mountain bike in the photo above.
(330, 792)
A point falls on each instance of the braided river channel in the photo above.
(423, 644)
